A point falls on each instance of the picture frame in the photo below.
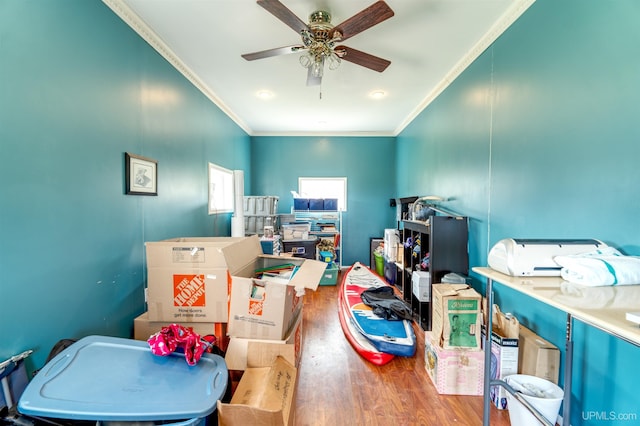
(141, 175)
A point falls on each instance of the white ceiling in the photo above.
(429, 43)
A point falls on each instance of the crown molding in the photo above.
(507, 19)
(120, 8)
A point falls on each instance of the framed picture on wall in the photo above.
(141, 175)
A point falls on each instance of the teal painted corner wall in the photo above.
(78, 89)
(367, 162)
(538, 138)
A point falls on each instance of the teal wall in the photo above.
(78, 88)
(368, 163)
(538, 138)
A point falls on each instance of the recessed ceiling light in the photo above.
(377, 94)
(264, 94)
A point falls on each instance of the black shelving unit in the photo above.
(444, 237)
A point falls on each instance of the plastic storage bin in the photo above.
(301, 248)
(316, 204)
(330, 204)
(301, 204)
(330, 276)
(109, 379)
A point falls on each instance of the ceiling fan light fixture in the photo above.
(317, 68)
(319, 38)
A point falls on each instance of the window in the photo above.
(221, 196)
(318, 187)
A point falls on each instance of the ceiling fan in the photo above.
(320, 39)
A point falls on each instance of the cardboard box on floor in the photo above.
(187, 279)
(264, 396)
(261, 309)
(504, 353)
(143, 328)
(537, 356)
(455, 371)
(242, 352)
(457, 316)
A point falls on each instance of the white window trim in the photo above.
(342, 198)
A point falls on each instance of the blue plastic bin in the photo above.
(110, 379)
(330, 204)
(301, 204)
(316, 204)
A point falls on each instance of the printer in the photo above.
(534, 257)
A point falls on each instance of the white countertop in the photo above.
(602, 307)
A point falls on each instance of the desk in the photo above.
(600, 307)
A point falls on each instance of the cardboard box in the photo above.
(261, 309)
(143, 328)
(504, 353)
(264, 396)
(243, 352)
(457, 316)
(187, 279)
(537, 356)
(454, 371)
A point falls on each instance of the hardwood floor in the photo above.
(338, 387)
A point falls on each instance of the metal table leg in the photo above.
(486, 399)
(568, 367)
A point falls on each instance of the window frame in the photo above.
(340, 181)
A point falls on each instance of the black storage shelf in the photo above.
(445, 239)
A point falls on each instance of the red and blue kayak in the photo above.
(392, 337)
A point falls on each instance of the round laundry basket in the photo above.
(547, 399)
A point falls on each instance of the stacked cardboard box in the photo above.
(453, 355)
(456, 371)
(211, 285)
(537, 356)
(457, 316)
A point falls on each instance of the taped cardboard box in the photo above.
(537, 356)
(504, 352)
(457, 316)
(266, 309)
(187, 279)
(143, 328)
(455, 371)
(264, 396)
(243, 352)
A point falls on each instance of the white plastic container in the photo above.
(547, 400)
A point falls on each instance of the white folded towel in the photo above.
(605, 266)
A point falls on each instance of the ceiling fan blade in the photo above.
(367, 18)
(361, 58)
(273, 52)
(281, 12)
(312, 80)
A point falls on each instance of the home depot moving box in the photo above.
(187, 279)
(457, 316)
(537, 356)
(456, 371)
(243, 352)
(143, 329)
(264, 396)
(263, 309)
